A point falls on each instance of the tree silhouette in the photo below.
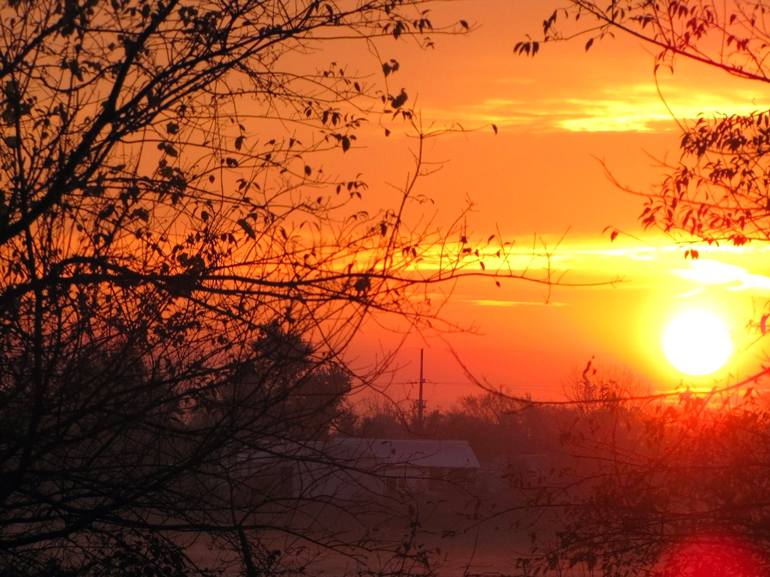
(717, 191)
(283, 386)
(657, 487)
(165, 219)
(668, 485)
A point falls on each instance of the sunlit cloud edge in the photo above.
(624, 108)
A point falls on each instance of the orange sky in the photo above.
(539, 180)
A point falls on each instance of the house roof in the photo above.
(417, 452)
(378, 452)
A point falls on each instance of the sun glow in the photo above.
(697, 342)
(714, 556)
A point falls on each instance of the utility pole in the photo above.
(421, 401)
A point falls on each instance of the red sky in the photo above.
(539, 181)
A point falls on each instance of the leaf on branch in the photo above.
(74, 67)
(141, 214)
(589, 44)
(528, 47)
(400, 100)
(239, 142)
(362, 284)
(389, 67)
(106, 211)
(247, 228)
(168, 148)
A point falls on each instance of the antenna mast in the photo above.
(421, 401)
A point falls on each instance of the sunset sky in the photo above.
(540, 183)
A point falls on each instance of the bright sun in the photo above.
(697, 342)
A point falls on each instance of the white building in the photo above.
(364, 468)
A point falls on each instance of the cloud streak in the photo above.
(624, 108)
(733, 277)
(631, 265)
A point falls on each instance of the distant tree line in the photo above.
(498, 428)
